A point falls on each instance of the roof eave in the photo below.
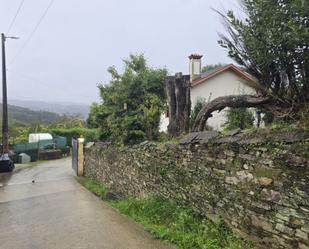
(236, 70)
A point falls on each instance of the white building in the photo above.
(222, 81)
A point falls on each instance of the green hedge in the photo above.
(89, 134)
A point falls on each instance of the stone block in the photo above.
(301, 193)
(245, 166)
(284, 229)
(267, 162)
(296, 222)
(244, 176)
(302, 235)
(262, 224)
(265, 181)
(233, 132)
(229, 153)
(219, 171)
(232, 180)
(188, 138)
(263, 149)
(302, 246)
(306, 210)
(280, 243)
(261, 205)
(270, 195)
(206, 136)
(247, 157)
(305, 228)
(283, 217)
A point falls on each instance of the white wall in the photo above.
(164, 122)
(226, 83)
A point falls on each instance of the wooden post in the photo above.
(80, 166)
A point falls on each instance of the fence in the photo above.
(33, 149)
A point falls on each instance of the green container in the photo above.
(61, 142)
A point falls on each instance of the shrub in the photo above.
(89, 134)
(239, 118)
(197, 108)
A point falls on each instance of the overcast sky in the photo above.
(78, 40)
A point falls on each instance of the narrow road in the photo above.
(56, 212)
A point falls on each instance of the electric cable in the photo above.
(16, 14)
(32, 33)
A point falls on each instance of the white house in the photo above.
(222, 81)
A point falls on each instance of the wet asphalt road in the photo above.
(56, 212)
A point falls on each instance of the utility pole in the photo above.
(6, 163)
(5, 122)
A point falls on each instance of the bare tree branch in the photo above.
(233, 101)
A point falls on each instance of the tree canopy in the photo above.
(131, 103)
(272, 44)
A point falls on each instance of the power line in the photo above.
(16, 14)
(33, 32)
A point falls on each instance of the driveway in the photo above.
(56, 212)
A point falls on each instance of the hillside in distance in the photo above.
(57, 107)
(26, 116)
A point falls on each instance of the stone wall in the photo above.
(257, 183)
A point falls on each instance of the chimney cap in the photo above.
(195, 56)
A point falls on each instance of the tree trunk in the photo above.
(171, 98)
(179, 103)
(233, 101)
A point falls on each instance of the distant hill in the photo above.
(57, 107)
(27, 116)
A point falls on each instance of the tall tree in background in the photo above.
(131, 103)
(272, 44)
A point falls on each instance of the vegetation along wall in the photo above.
(258, 183)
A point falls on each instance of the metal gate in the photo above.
(75, 156)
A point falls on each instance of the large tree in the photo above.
(131, 103)
(272, 44)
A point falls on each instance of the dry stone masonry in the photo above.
(258, 183)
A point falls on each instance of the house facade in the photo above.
(222, 81)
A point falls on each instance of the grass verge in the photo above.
(167, 221)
